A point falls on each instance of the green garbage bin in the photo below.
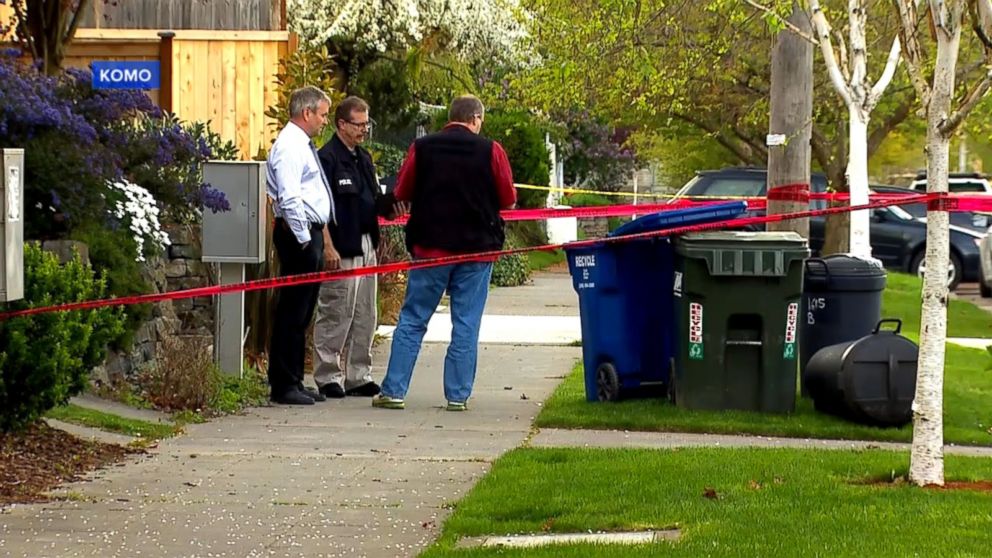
(737, 300)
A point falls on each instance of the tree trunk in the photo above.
(836, 239)
(791, 108)
(857, 182)
(927, 459)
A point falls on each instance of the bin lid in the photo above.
(843, 272)
(844, 265)
(708, 213)
(744, 253)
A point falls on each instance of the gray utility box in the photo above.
(11, 224)
(238, 235)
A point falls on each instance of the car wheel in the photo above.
(918, 267)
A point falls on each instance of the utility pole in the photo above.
(790, 124)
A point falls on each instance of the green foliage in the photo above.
(111, 254)
(511, 270)
(46, 358)
(587, 199)
(526, 233)
(235, 394)
(387, 158)
(307, 66)
(386, 85)
(185, 378)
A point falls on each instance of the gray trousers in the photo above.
(346, 322)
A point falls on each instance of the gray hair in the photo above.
(465, 108)
(308, 97)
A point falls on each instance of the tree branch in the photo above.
(908, 23)
(827, 48)
(969, 103)
(782, 20)
(981, 21)
(451, 72)
(743, 155)
(842, 50)
(77, 17)
(890, 70)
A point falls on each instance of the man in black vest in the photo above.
(346, 311)
(457, 182)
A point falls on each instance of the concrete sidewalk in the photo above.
(336, 479)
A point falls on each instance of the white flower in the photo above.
(139, 212)
(474, 30)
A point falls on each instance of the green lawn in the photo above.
(902, 300)
(769, 503)
(967, 393)
(538, 260)
(112, 423)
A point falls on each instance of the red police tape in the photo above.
(935, 201)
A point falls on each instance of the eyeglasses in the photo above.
(367, 125)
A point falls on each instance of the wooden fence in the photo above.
(225, 77)
(256, 15)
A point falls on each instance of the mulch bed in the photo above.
(40, 458)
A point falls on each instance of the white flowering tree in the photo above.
(359, 31)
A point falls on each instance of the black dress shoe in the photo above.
(292, 397)
(370, 389)
(313, 394)
(333, 391)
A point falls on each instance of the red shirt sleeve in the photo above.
(406, 177)
(504, 177)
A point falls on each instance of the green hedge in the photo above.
(46, 358)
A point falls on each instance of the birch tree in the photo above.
(850, 79)
(933, 77)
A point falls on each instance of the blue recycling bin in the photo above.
(625, 302)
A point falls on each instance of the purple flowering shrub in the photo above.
(78, 139)
(596, 155)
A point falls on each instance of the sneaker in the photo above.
(456, 406)
(387, 402)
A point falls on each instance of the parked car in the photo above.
(957, 182)
(898, 238)
(985, 282)
(978, 222)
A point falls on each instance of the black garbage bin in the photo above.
(871, 380)
(842, 301)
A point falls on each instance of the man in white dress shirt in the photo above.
(303, 206)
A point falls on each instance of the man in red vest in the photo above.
(456, 182)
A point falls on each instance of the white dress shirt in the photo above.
(296, 183)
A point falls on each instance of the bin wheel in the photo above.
(607, 382)
(671, 381)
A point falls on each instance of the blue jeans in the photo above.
(468, 287)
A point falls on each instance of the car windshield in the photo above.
(900, 213)
(732, 186)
